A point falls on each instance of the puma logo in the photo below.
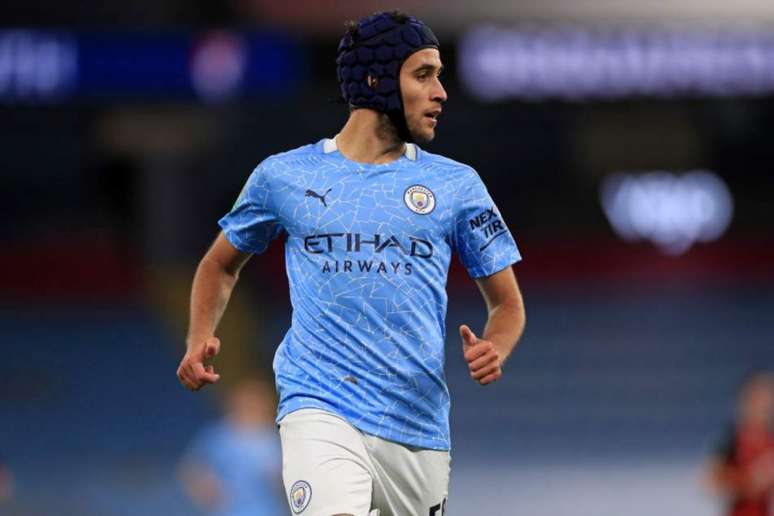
(312, 193)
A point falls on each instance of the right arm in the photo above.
(213, 282)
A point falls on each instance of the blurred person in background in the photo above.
(371, 222)
(232, 467)
(742, 469)
(6, 482)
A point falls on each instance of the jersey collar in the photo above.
(329, 145)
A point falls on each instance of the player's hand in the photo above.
(482, 357)
(193, 372)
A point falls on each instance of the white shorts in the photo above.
(329, 467)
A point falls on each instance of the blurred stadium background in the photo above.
(628, 144)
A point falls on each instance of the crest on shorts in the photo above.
(419, 199)
(300, 495)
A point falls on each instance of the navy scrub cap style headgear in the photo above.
(369, 58)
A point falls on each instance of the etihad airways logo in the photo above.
(374, 245)
(356, 243)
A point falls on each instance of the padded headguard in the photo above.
(369, 59)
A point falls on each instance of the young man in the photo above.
(371, 221)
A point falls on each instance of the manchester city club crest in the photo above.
(419, 199)
(300, 495)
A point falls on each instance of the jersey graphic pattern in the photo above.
(367, 262)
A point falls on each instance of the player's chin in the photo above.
(423, 135)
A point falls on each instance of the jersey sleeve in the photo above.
(252, 223)
(481, 238)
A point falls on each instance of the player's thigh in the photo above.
(323, 466)
(408, 480)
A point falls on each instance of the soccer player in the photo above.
(370, 222)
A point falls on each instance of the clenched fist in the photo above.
(483, 360)
(193, 372)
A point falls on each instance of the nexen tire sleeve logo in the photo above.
(488, 225)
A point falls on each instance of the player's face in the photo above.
(422, 92)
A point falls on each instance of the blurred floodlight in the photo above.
(36, 66)
(218, 66)
(672, 211)
(575, 63)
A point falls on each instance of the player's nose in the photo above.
(438, 93)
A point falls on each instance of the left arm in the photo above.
(505, 324)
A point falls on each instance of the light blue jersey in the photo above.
(367, 255)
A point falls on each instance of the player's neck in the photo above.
(369, 137)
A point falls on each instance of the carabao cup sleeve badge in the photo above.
(300, 495)
(419, 199)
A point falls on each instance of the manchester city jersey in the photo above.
(367, 254)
